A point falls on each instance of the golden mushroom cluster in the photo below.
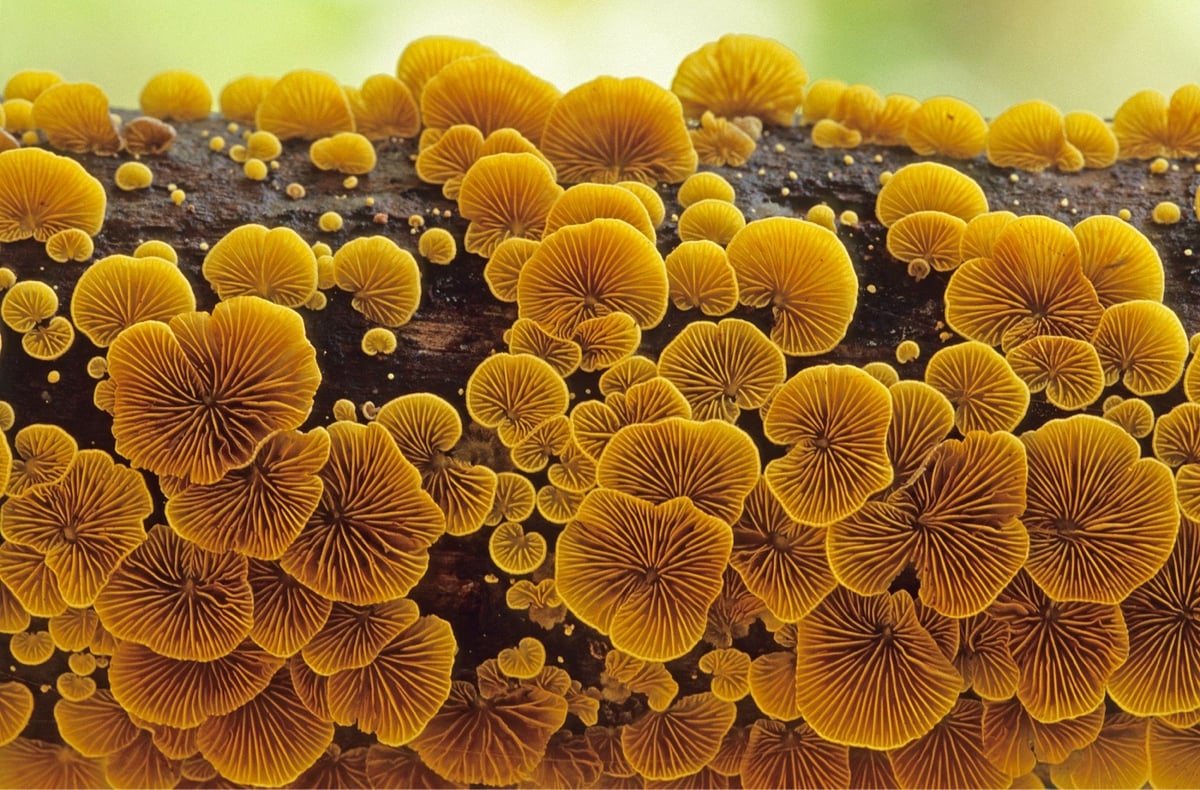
(451, 429)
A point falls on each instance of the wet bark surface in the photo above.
(459, 322)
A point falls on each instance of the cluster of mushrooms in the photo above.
(725, 558)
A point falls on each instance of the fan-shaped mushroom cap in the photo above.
(779, 755)
(947, 126)
(514, 499)
(177, 599)
(390, 767)
(1183, 120)
(835, 420)
(16, 707)
(28, 84)
(84, 523)
(704, 186)
(70, 244)
(31, 763)
(503, 270)
(118, 291)
(74, 629)
(680, 740)
(606, 339)
(515, 551)
(741, 74)
(195, 397)
(979, 237)
(50, 340)
(514, 393)
(1120, 262)
(493, 740)
(275, 264)
(551, 437)
(720, 142)
(872, 675)
(27, 304)
(345, 152)
(26, 577)
(622, 560)
(1172, 755)
(921, 418)
(424, 57)
(74, 117)
(524, 661)
(929, 186)
(711, 220)
(384, 279)
(1031, 136)
(934, 237)
(949, 755)
(32, 648)
(624, 674)
(437, 245)
(984, 659)
(176, 95)
(585, 202)
(1101, 519)
(1134, 415)
(161, 690)
(781, 560)
(1065, 651)
(803, 272)
(1032, 285)
(240, 97)
(730, 669)
(589, 270)
(304, 103)
(257, 510)
(1015, 742)
(269, 740)
(1092, 136)
(986, 393)
(367, 540)
(723, 367)
(609, 130)
(1143, 344)
(446, 161)
(287, 615)
(956, 523)
(712, 463)
(1067, 369)
(42, 193)
(626, 373)
(488, 93)
(1140, 125)
(384, 107)
(1163, 636)
(504, 196)
(699, 275)
(1118, 757)
(96, 726)
(402, 687)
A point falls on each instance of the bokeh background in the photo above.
(1078, 54)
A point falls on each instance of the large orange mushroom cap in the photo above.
(179, 600)
(1174, 754)
(16, 706)
(951, 754)
(781, 561)
(956, 523)
(929, 186)
(680, 740)
(275, 264)
(402, 767)
(1015, 742)
(986, 393)
(383, 279)
(42, 193)
(384, 107)
(75, 117)
(591, 270)
(424, 57)
(922, 418)
(1101, 519)
(258, 509)
(492, 740)
(722, 368)
(176, 94)
(25, 575)
(1119, 260)
(1143, 344)
(610, 130)
(741, 74)
(835, 420)
(1118, 757)
(1065, 651)
(402, 688)
(712, 463)
(118, 291)
(304, 103)
(353, 635)
(1033, 284)
(804, 274)
(1164, 636)
(515, 393)
(268, 741)
(623, 564)
(84, 523)
(781, 755)
(287, 615)
(947, 126)
(195, 397)
(872, 675)
(489, 93)
(505, 196)
(31, 763)
(368, 539)
(184, 694)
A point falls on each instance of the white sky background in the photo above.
(1078, 54)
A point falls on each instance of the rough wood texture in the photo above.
(459, 322)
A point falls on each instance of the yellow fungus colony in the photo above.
(453, 429)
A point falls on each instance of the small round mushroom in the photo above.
(699, 275)
(986, 393)
(719, 142)
(118, 291)
(437, 245)
(345, 152)
(514, 394)
(710, 220)
(1068, 370)
(384, 279)
(176, 95)
(934, 237)
(70, 244)
(947, 126)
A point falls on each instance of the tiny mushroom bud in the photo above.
(133, 175)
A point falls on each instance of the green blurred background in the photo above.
(1074, 53)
